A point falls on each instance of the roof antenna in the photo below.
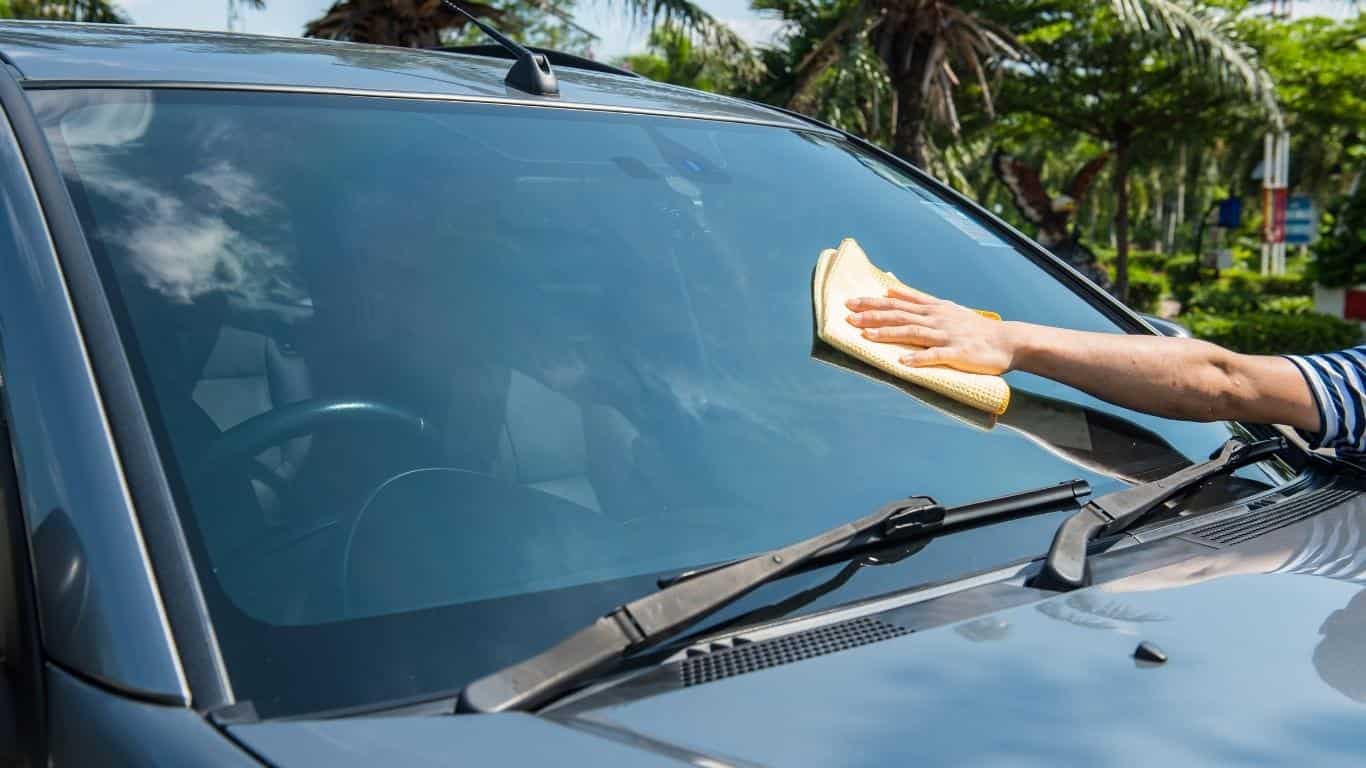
(531, 73)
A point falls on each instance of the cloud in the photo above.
(183, 238)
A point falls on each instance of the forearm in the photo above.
(1176, 378)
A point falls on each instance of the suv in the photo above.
(340, 380)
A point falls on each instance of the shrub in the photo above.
(1289, 284)
(1340, 253)
(1145, 288)
(1269, 333)
(1288, 305)
(1149, 260)
(1183, 275)
(1241, 290)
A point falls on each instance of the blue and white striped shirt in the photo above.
(1338, 381)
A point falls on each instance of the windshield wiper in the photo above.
(1066, 567)
(689, 598)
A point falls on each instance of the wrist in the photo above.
(1020, 342)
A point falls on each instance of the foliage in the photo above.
(408, 23)
(1269, 333)
(1238, 290)
(851, 91)
(916, 55)
(545, 23)
(1340, 253)
(1139, 76)
(1319, 67)
(1288, 305)
(1145, 289)
(64, 10)
(1153, 261)
(674, 57)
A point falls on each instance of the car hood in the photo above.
(1266, 647)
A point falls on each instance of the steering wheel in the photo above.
(305, 417)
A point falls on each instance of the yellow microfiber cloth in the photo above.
(846, 273)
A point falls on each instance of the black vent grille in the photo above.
(752, 657)
(1266, 518)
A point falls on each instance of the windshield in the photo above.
(436, 383)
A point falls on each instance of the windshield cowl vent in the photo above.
(1265, 519)
(716, 661)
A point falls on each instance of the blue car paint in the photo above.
(1048, 681)
(100, 609)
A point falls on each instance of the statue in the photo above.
(1053, 215)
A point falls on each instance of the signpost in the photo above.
(1275, 173)
(1301, 225)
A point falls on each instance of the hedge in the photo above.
(1239, 290)
(1261, 332)
(1145, 289)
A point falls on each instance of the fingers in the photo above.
(912, 295)
(867, 303)
(918, 335)
(923, 357)
(881, 318)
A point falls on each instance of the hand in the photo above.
(954, 336)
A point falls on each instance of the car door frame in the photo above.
(85, 450)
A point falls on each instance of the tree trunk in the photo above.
(1121, 186)
(1179, 212)
(909, 137)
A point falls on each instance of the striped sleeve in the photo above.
(1338, 383)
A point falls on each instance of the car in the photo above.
(367, 407)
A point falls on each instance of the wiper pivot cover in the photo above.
(1066, 566)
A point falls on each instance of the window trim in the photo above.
(188, 631)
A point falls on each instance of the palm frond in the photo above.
(1205, 40)
(68, 10)
(693, 19)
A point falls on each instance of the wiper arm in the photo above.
(913, 519)
(1066, 566)
(652, 619)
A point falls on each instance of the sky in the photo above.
(603, 17)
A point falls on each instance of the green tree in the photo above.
(408, 23)
(63, 10)
(1319, 67)
(823, 66)
(428, 23)
(913, 53)
(673, 56)
(1137, 76)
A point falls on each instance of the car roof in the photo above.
(50, 54)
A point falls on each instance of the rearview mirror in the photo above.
(1168, 327)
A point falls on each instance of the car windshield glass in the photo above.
(436, 383)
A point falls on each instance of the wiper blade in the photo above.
(1066, 567)
(650, 620)
(909, 518)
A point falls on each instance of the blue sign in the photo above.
(1301, 225)
(1231, 213)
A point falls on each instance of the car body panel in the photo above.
(89, 726)
(1056, 682)
(430, 741)
(93, 54)
(100, 611)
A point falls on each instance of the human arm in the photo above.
(1175, 378)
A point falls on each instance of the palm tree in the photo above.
(1138, 76)
(923, 46)
(408, 23)
(422, 23)
(63, 10)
